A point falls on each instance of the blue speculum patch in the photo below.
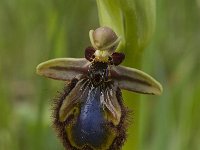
(90, 126)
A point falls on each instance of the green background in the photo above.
(33, 31)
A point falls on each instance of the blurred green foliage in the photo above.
(32, 31)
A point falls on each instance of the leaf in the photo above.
(133, 21)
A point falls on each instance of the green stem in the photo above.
(134, 21)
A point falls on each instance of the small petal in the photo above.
(89, 53)
(135, 80)
(118, 58)
(63, 68)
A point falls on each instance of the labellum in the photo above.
(90, 114)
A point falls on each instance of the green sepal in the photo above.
(135, 80)
(63, 68)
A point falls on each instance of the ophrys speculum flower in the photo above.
(90, 114)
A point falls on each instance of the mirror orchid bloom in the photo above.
(90, 114)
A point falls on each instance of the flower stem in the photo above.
(134, 21)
